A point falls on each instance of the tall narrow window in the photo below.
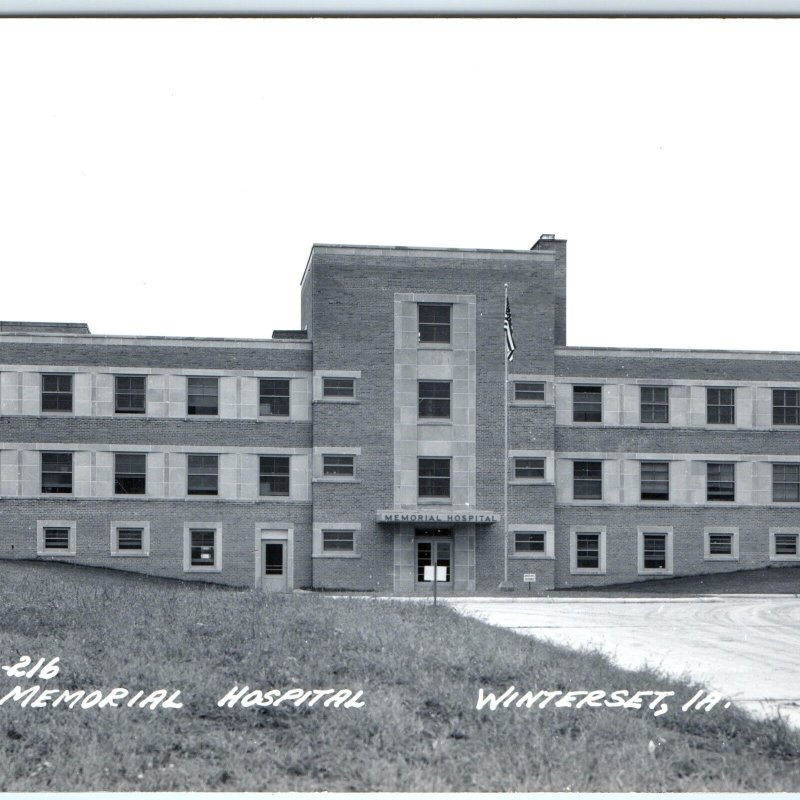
(588, 480)
(434, 323)
(434, 399)
(786, 407)
(130, 473)
(655, 480)
(655, 404)
(202, 474)
(273, 397)
(587, 404)
(130, 394)
(57, 393)
(720, 482)
(786, 483)
(273, 476)
(56, 473)
(202, 396)
(434, 477)
(720, 409)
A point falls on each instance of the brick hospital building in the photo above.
(370, 443)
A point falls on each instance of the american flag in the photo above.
(509, 329)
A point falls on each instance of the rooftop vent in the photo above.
(44, 327)
(546, 242)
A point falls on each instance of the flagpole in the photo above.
(505, 450)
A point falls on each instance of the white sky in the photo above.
(170, 176)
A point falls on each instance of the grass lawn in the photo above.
(420, 669)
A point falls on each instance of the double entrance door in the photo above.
(433, 547)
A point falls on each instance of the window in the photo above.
(434, 323)
(130, 538)
(202, 547)
(529, 468)
(721, 544)
(654, 480)
(130, 471)
(529, 542)
(434, 477)
(55, 538)
(273, 397)
(784, 546)
(655, 550)
(338, 466)
(202, 474)
(720, 485)
(337, 541)
(130, 394)
(57, 393)
(56, 473)
(587, 550)
(655, 404)
(273, 476)
(338, 387)
(720, 408)
(202, 396)
(587, 480)
(529, 391)
(434, 399)
(786, 483)
(587, 404)
(786, 407)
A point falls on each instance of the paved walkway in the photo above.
(746, 647)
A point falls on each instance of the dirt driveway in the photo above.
(745, 646)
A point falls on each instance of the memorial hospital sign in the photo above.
(416, 515)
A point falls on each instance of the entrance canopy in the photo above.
(447, 516)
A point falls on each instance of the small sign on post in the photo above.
(435, 575)
(529, 578)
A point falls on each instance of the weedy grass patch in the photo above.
(420, 669)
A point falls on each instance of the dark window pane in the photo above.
(203, 396)
(720, 482)
(203, 547)
(203, 471)
(655, 550)
(273, 397)
(654, 404)
(56, 473)
(273, 475)
(655, 480)
(529, 542)
(434, 477)
(56, 538)
(130, 539)
(588, 480)
(434, 323)
(587, 404)
(529, 468)
(273, 558)
(720, 544)
(720, 409)
(338, 387)
(786, 483)
(785, 407)
(130, 394)
(587, 550)
(338, 541)
(57, 393)
(434, 399)
(338, 465)
(529, 391)
(130, 470)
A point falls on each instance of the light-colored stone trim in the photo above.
(773, 556)
(317, 539)
(549, 467)
(549, 390)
